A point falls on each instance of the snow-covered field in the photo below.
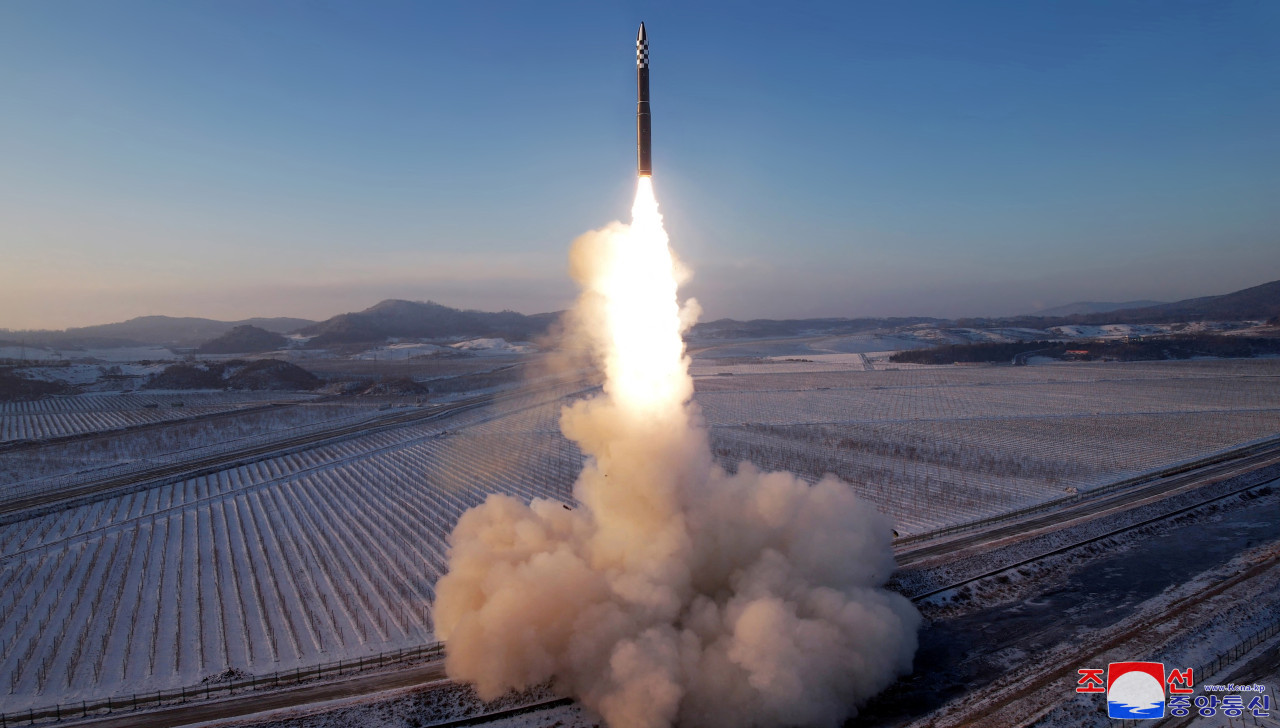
(940, 445)
(404, 351)
(300, 559)
(46, 466)
(84, 413)
(1119, 331)
(95, 377)
(495, 347)
(334, 551)
(393, 352)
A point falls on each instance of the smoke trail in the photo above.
(676, 592)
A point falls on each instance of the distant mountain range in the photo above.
(424, 320)
(388, 319)
(1083, 307)
(1259, 302)
(148, 331)
(1256, 303)
(428, 320)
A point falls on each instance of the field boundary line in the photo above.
(29, 443)
(15, 510)
(207, 690)
(1253, 448)
(1084, 542)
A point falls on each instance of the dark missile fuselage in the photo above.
(644, 135)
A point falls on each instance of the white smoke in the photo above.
(675, 593)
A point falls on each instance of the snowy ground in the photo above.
(816, 347)
(391, 352)
(1121, 331)
(1026, 622)
(95, 377)
(939, 445)
(87, 413)
(334, 552)
(495, 347)
(403, 351)
(39, 467)
(320, 555)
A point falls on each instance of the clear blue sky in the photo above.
(239, 158)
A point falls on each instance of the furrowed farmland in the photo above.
(939, 446)
(309, 557)
(62, 416)
(35, 466)
(332, 552)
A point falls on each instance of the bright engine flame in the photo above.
(646, 372)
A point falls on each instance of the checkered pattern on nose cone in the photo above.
(642, 53)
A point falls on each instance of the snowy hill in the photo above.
(1082, 307)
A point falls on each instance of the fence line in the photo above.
(209, 689)
(1242, 648)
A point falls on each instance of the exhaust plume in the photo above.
(675, 592)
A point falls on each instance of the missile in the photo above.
(644, 141)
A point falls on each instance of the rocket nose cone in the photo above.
(641, 35)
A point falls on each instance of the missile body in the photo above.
(644, 161)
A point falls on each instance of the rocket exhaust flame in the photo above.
(675, 593)
(639, 292)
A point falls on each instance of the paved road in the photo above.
(250, 703)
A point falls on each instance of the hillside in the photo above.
(425, 320)
(245, 339)
(262, 374)
(1256, 303)
(150, 330)
(14, 386)
(1087, 307)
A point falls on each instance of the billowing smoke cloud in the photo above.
(675, 593)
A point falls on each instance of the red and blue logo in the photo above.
(1135, 690)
